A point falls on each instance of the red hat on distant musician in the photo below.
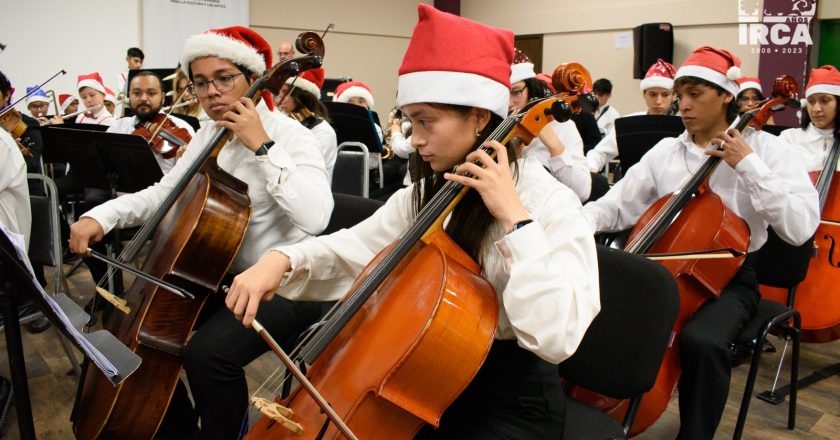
(824, 79)
(309, 81)
(92, 80)
(353, 89)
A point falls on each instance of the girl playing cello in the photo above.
(523, 227)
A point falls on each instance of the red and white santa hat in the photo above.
(659, 74)
(64, 101)
(92, 80)
(237, 44)
(522, 67)
(749, 82)
(823, 79)
(109, 96)
(309, 81)
(717, 66)
(453, 60)
(353, 89)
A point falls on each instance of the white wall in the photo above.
(367, 43)
(584, 32)
(79, 36)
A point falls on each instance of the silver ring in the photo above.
(722, 145)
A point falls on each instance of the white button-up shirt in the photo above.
(545, 274)
(289, 188)
(769, 187)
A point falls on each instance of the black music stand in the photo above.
(635, 135)
(353, 123)
(17, 283)
(114, 162)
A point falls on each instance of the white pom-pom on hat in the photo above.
(734, 73)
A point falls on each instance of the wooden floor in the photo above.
(818, 412)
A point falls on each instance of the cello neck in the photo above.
(827, 173)
(662, 220)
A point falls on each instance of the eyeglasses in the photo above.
(749, 99)
(515, 93)
(223, 84)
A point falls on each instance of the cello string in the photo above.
(439, 202)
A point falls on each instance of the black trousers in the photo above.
(704, 353)
(215, 358)
(515, 395)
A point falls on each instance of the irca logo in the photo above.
(790, 27)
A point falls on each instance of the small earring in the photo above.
(477, 132)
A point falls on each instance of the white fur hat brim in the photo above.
(831, 89)
(67, 103)
(305, 85)
(92, 83)
(459, 88)
(212, 44)
(656, 81)
(746, 85)
(521, 72)
(37, 98)
(710, 75)
(356, 92)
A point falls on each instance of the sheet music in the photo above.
(83, 341)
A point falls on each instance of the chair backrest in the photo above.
(350, 210)
(600, 186)
(350, 174)
(45, 237)
(781, 264)
(622, 350)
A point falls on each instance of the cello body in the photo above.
(405, 356)
(704, 223)
(817, 297)
(193, 248)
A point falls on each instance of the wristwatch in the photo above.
(263, 150)
(520, 224)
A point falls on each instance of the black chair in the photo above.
(349, 210)
(600, 186)
(350, 174)
(45, 247)
(779, 264)
(622, 350)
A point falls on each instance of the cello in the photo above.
(688, 223)
(815, 301)
(196, 233)
(378, 360)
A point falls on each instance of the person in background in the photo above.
(606, 114)
(285, 51)
(68, 103)
(110, 101)
(559, 147)
(92, 92)
(303, 104)
(658, 96)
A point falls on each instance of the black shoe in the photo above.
(37, 325)
(5, 400)
(69, 257)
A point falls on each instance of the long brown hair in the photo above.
(471, 219)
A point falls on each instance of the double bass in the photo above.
(693, 222)
(816, 298)
(378, 361)
(196, 233)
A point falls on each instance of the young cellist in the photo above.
(524, 228)
(560, 149)
(760, 181)
(290, 198)
(820, 120)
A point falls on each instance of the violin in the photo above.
(12, 121)
(163, 135)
